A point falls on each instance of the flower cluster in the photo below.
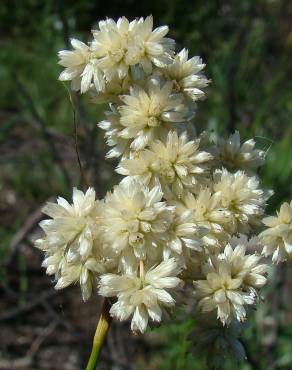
(183, 218)
(71, 242)
(142, 296)
(233, 155)
(231, 282)
(175, 164)
(277, 238)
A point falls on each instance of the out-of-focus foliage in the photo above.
(245, 44)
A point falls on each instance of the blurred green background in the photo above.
(246, 46)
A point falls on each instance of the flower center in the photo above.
(153, 121)
(168, 174)
(117, 55)
(134, 54)
(136, 239)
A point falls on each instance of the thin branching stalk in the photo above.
(84, 179)
(83, 175)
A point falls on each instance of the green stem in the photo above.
(100, 335)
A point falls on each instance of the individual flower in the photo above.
(141, 296)
(71, 241)
(186, 74)
(175, 163)
(72, 225)
(148, 46)
(246, 266)
(80, 67)
(124, 44)
(141, 167)
(277, 238)
(184, 233)
(148, 114)
(207, 213)
(243, 198)
(135, 221)
(185, 244)
(112, 90)
(181, 163)
(222, 292)
(110, 42)
(252, 244)
(84, 271)
(120, 147)
(233, 155)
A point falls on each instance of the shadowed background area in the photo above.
(246, 45)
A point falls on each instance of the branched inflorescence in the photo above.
(180, 225)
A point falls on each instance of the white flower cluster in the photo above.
(181, 219)
(71, 243)
(277, 238)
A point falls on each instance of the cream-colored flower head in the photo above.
(246, 266)
(186, 75)
(135, 221)
(80, 67)
(277, 238)
(120, 147)
(141, 296)
(175, 163)
(112, 90)
(141, 166)
(222, 292)
(71, 241)
(207, 213)
(181, 163)
(184, 233)
(233, 155)
(72, 224)
(148, 114)
(123, 44)
(243, 198)
(252, 244)
(185, 244)
(110, 43)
